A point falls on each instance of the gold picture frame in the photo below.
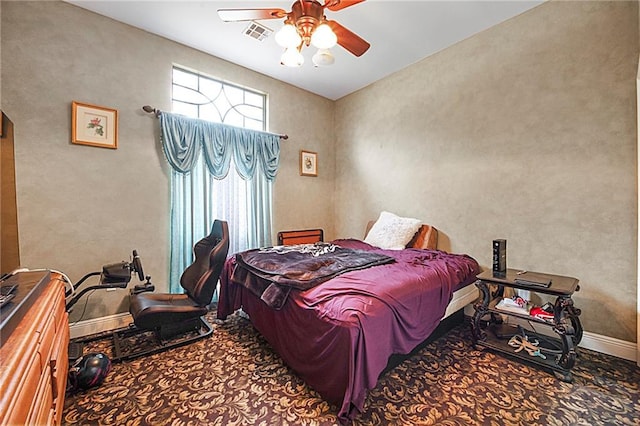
(94, 125)
(308, 163)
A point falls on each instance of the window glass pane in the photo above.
(249, 111)
(234, 95)
(222, 105)
(254, 99)
(234, 119)
(253, 124)
(210, 88)
(189, 95)
(211, 113)
(184, 109)
(185, 78)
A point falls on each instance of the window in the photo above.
(197, 199)
(199, 96)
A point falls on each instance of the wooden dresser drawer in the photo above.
(45, 340)
(34, 360)
(42, 405)
(59, 370)
(20, 404)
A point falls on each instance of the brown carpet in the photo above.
(234, 378)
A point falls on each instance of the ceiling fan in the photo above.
(305, 24)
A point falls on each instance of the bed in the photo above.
(339, 335)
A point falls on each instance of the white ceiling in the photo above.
(400, 32)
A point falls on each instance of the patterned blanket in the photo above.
(271, 273)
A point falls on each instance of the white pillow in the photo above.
(392, 232)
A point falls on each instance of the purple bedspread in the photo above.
(338, 336)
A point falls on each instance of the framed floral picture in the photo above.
(94, 125)
(308, 163)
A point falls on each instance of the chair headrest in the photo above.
(201, 277)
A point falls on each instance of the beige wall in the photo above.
(527, 132)
(81, 207)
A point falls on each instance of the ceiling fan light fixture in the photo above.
(323, 37)
(288, 37)
(323, 58)
(305, 25)
(292, 58)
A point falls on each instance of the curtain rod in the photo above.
(157, 113)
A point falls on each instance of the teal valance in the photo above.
(184, 139)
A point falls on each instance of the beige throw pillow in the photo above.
(392, 232)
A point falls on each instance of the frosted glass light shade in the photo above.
(288, 36)
(323, 37)
(292, 58)
(323, 58)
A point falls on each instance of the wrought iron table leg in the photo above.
(567, 325)
(481, 309)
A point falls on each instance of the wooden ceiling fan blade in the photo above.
(349, 40)
(233, 15)
(341, 4)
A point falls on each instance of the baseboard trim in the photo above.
(99, 325)
(609, 345)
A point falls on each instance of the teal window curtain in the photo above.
(217, 171)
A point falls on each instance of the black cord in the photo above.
(84, 309)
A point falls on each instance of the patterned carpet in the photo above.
(234, 378)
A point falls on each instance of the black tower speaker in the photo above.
(500, 257)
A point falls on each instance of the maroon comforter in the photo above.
(338, 336)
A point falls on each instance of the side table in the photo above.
(557, 352)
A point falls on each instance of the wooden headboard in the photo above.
(305, 236)
(425, 238)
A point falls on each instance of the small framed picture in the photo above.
(308, 163)
(94, 125)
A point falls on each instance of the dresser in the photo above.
(33, 355)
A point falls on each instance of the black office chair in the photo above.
(170, 315)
